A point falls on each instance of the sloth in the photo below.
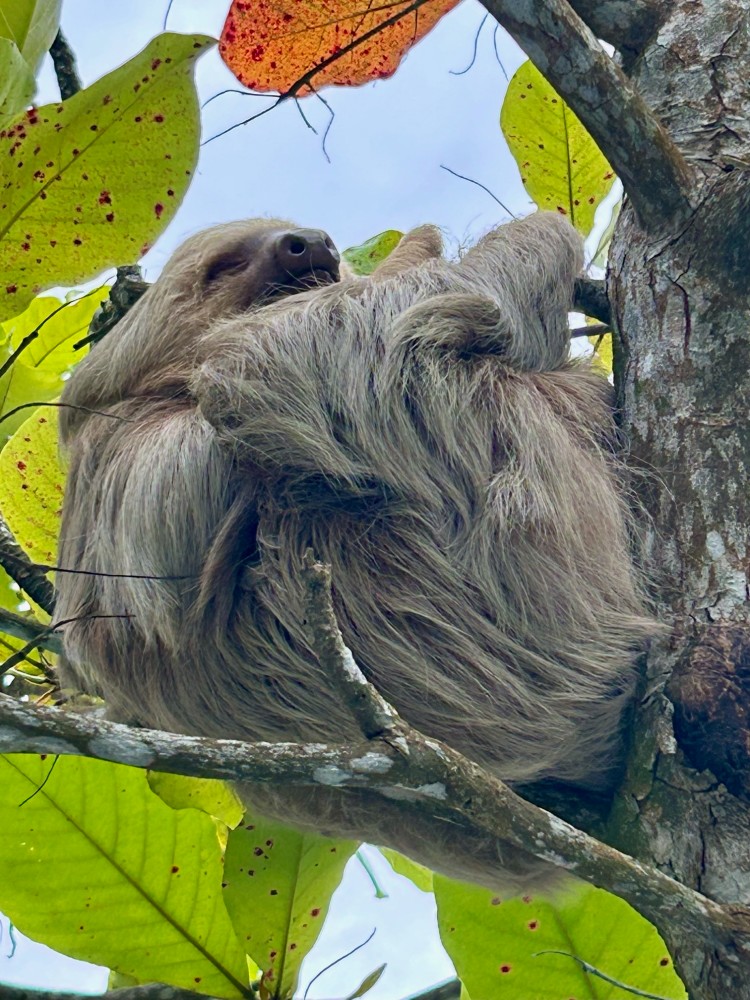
(424, 432)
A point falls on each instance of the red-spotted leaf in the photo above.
(278, 884)
(271, 45)
(91, 182)
(561, 166)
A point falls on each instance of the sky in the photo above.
(385, 146)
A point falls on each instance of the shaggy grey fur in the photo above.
(424, 432)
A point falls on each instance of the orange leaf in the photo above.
(275, 45)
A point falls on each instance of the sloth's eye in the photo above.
(224, 265)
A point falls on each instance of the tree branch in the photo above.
(30, 630)
(626, 24)
(653, 172)
(129, 286)
(590, 297)
(26, 574)
(438, 780)
(64, 62)
(160, 991)
(151, 991)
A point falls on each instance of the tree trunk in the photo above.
(681, 308)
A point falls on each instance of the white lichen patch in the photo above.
(351, 669)
(331, 775)
(558, 826)
(714, 545)
(122, 749)
(401, 793)
(372, 763)
(723, 581)
(436, 749)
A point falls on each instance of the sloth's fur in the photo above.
(425, 433)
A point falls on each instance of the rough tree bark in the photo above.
(680, 302)
(678, 285)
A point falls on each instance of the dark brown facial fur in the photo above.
(422, 430)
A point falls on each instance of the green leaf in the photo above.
(46, 332)
(279, 885)
(217, 798)
(31, 486)
(17, 83)
(495, 943)
(32, 25)
(98, 867)
(366, 257)
(90, 183)
(561, 166)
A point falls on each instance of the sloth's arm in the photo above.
(528, 269)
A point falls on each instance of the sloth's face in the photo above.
(269, 263)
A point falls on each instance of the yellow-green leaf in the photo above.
(89, 183)
(32, 25)
(602, 345)
(279, 884)
(217, 798)
(97, 866)
(561, 165)
(366, 257)
(51, 327)
(17, 84)
(495, 944)
(421, 877)
(31, 485)
(39, 346)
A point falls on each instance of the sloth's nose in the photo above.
(302, 251)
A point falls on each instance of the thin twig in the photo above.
(38, 403)
(64, 62)
(652, 169)
(30, 630)
(462, 72)
(593, 330)
(480, 185)
(372, 712)
(593, 971)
